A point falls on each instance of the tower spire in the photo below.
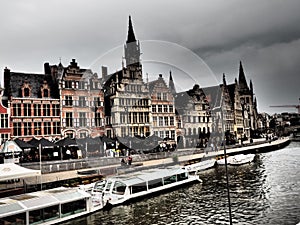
(242, 79)
(130, 35)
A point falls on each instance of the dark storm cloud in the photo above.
(263, 34)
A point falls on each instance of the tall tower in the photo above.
(132, 48)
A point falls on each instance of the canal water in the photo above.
(264, 192)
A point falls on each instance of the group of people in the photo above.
(126, 161)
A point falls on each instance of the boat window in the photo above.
(45, 214)
(155, 183)
(169, 180)
(138, 188)
(73, 207)
(119, 188)
(14, 219)
(107, 188)
(99, 186)
(182, 176)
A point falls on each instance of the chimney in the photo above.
(104, 71)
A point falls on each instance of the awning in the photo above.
(9, 171)
(10, 147)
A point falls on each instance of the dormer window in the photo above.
(26, 89)
(45, 90)
(46, 93)
(26, 92)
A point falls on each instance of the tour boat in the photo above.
(120, 189)
(237, 159)
(205, 163)
(47, 207)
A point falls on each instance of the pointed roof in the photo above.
(130, 35)
(171, 84)
(242, 79)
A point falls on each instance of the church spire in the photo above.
(130, 35)
(242, 79)
(224, 79)
(132, 48)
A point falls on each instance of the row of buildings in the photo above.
(69, 101)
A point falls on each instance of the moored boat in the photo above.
(46, 207)
(237, 159)
(120, 189)
(205, 163)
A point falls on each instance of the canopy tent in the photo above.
(10, 147)
(9, 171)
(23, 144)
(66, 142)
(44, 142)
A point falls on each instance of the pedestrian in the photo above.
(123, 163)
(129, 160)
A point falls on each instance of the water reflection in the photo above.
(264, 192)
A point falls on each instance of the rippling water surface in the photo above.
(264, 192)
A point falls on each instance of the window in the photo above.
(3, 121)
(171, 121)
(97, 119)
(56, 127)
(69, 119)
(46, 93)
(161, 121)
(97, 101)
(27, 109)
(173, 134)
(68, 100)
(165, 96)
(166, 121)
(3, 138)
(37, 109)
(46, 110)
(17, 109)
(165, 108)
(81, 85)
(154, 121)
(158, 96)
(55, 110)
(153, 108)
(159, 108)
(82, 101)
(27, 128)
(37, 128)
(17, 131)
(26, 92)
(82, 119)
(68, 84)
(47, 128)
(171, 108)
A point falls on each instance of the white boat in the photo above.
(237, 159)
(119, 189)
(205, 163)
(46, 207)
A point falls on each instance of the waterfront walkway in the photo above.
(259, 145)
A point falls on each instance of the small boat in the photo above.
(237, 159)
(120, 189)
(47, 207)
(204, 164)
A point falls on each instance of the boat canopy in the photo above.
(38, 200)
(9, 171)
(153, 174)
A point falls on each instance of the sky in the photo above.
(197, 40)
